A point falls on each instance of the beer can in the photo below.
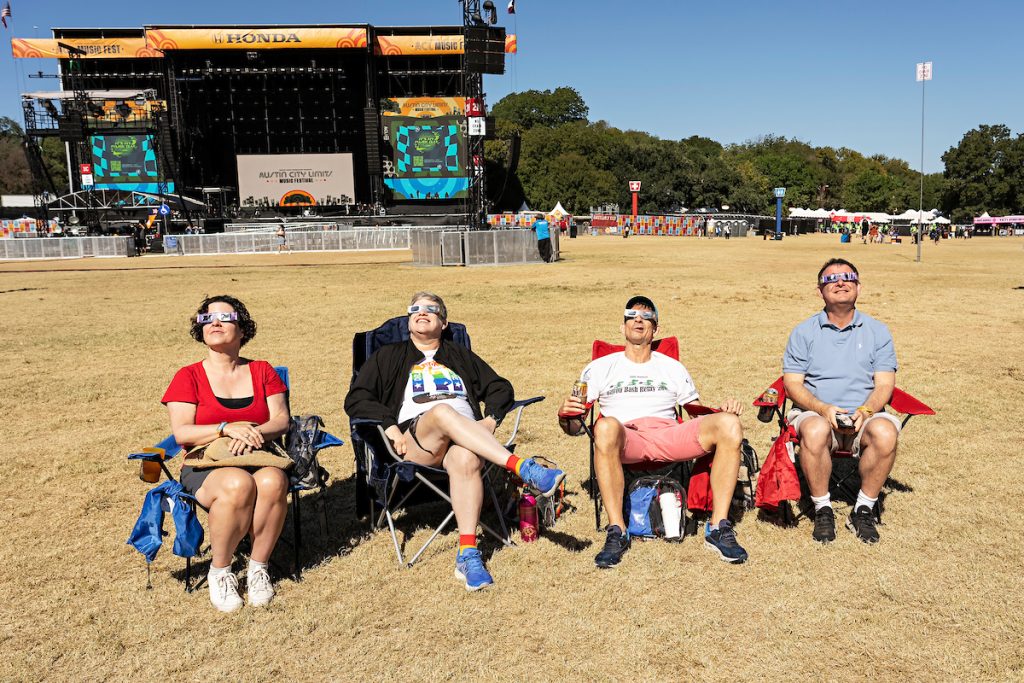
(579, 391)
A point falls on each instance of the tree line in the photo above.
(565, 157)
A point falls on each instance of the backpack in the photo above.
(643, 510)
(302, 444)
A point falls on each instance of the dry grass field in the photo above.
(90, 345)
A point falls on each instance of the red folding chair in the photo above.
(781, 479)
(693, 475)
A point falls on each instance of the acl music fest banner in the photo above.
(94, 48)
(266, 180)
(394, 46)
(249, 38)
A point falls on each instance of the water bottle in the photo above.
(528, 528)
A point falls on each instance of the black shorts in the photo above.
(192, 479)
(410, 426)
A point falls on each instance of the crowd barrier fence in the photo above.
(65, 247)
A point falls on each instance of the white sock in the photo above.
(863, 500)
(218, 571)
(822, 501)
(253, 564)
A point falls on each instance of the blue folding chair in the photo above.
(384, 481)
(168, 449)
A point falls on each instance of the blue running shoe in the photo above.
(469, 568)
(723, 541)
(542, 479)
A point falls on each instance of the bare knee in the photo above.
(237, 489)
(271, 483)
(461, 462)
(815, 434)
(727, 428)
(881, 435)
(608, 436)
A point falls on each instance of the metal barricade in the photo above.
(63, 247)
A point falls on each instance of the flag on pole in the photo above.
(5, 13)
(511, 6)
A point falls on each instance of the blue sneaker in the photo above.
(723, 541)
(542, 479)
(469, 568)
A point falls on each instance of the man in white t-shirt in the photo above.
(638, 390)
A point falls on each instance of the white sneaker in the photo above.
(224, 592)
(261, 590)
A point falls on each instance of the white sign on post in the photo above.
(924, 71)
(634, 185)
(477, 125)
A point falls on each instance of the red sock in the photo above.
(513, 463)
(466, 541)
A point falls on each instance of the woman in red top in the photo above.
(230, 396)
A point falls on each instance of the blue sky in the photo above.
(830, 73)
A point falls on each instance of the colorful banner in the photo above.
(94, 48)
(395, 46)
(30, 227)
(245, 38)
(424, 107)
(399, 46)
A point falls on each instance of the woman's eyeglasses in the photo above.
(224, 317)
(425, 308)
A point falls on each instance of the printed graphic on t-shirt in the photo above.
(432, 381)
(636, 384)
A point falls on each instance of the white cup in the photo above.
(671, 513)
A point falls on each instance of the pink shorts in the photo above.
(660, 439)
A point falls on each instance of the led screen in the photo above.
(127, 162)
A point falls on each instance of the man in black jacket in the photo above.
(426, 393)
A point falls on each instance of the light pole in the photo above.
(924, 73)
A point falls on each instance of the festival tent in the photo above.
(942, 221)
(559, 212)
(878, 217)
(818, 213)
(525, 208)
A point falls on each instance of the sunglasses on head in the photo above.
(224, 317)
(839, 277)
(644, 315)
(425, 308)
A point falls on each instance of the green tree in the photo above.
(977, 175)
(541, 108)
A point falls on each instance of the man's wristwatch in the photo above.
(220, 428)
(864, 409)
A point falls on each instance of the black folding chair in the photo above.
(385, 483)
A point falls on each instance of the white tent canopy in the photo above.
(559, 211)
(942, 221)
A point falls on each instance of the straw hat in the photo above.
(218, 454)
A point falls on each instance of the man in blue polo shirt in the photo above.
(839, 369)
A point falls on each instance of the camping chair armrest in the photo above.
(148, 457)
(696, 410)
(518, 406)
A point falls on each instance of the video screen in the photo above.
(126, 162)
(428, 157)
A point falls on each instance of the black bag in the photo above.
(302, 436)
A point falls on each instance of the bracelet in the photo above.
(220, 428)
(864, 409)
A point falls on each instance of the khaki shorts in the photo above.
(797, 417)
